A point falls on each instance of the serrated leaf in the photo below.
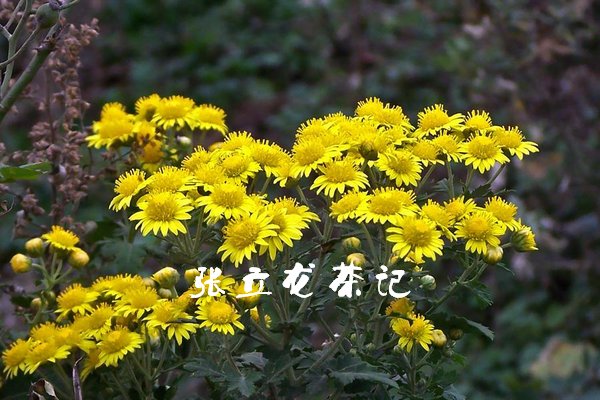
(254, 358)
(346, 377)
(243, 383)
(482, 293)
(484, 330)
(203, 367)
(453, 321)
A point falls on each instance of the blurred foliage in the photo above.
(533, 63)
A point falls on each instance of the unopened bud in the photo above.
(149, 282)
(351, 244)
(166, 293)
(524, 240)
(439, 338)
(167, 277)
(34, 247)
(428, 282)
(493, 255)
(455, 333)
(36, 304)
(357, 259)
(20, 263)
(190, 275)
(184, 141)
(78, 258)
(368, 152)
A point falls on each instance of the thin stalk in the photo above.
(450, 181)
(425, 179)
(119, 386)
(470, 173)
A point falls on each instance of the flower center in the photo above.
(129, 185)
(235, 165)
(228, 196)
(162, 207)
(242, 234)
(477, 227)
(417, 233)
(72, 298)
(219, 312)
(339, 172)
(116, 128)
(401, 165)
(433, 119)
(115, 341)
(425, 151)
(483, 147)
(504, 212)
(478, 122)
(307, 153)
(385, 204)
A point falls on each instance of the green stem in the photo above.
(496, 174)
(425, 178)
(470, 173)
(450, 180)
(370, 241)
(331, 350)
(119, 386)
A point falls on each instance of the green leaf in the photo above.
(254, 358)
(477, 327)
(243, 383)
(483, 296)
(451, 393)
(347, 369)
(23, 172)
(453, 321)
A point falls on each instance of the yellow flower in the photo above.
(244, 234)
(400, 166)
(386, 204)
(75, 300)
(448, 144)
(116, 344)
(165, 315)
(145, 107)
(283, 173)
(42, 352)
(226, 200)
(511, 139)
(73, 338)
(383, 114)
(90, 362)
(481, 231)
(171, 179)
(435, 119)
(20, 263)
(96, 323)
(14, 357)
(290, 205)
(127, 185)
(207, 116)
(339, 176)
(269, 155)
(504, 212)
(288, 228)
(219, 316)
(348, 206)
(440, 216)
(209, 175)
(61, 239)
(416, 331)
(256, 317)
(458, 207)
(482, 153)
(115, 127)
(478, 121)
(427, 152)
(234, 142)
(151, 154)
(308, 155)
(415, 235)
(524, 239)
(116, 285)
(174, 112)
(136, 301)
(44, 332)
(402, 306)
(246, 301)
(166, 277)
(162, 212)
(199, 158)
(238, 167)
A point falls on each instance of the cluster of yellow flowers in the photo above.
(118, 314)
(154, 127)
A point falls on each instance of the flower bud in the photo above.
(190, 275)
(493, 255)
(45, 16)
(397, 349)
(166, 293)
(524, 240)
(36, 304)
(368, 152)
(245, 301)
(166, 277)
(215, 146)
(455, 333)
(78, 258)
(428, 282)
(439, 338)
(358, 259)
(351, 244)
(20, 263)
(394, 259)
(34, 247)
(370, 346)
(184, 141)
(149, 282)
(50, 296)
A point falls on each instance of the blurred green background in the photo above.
(533, 63)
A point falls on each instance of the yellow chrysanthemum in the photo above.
(338, 176)
(448, 144)
(289, 228)
(435, 119)
(291, 206)
(385, 114)
(479, 121)
(283, 172)
(400, 166)
(386, 204)
(416, 331)
(43, 352)
(73, 338)
(220, 316)
(416, 235)
(239, 141)
(238, 167)
(481, 231)
(268, 155)
(250, 298)
(308, 155)
(116, 344)
(348, 206)
(313, 129)
(262, 319)
(402, 306)
(198, 158)
(145, 132)
(482, 152)
(75, 299)
(440, 216)
(151, 154)
(504, 212)
(207, 116)
(244, 234)
(90, 362)
(116, 285)
(165, 315)
(145, 107)
(162, 212)
(96, 323)
(513, 141)
(127, 186)
(44, 332)
(226, 200)
(171, 179)
(115, 127)
(174, 112)
(208, 175)
(136, 301)
(458, 207)
(14, 357)
(61, 239)
(427, 152)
